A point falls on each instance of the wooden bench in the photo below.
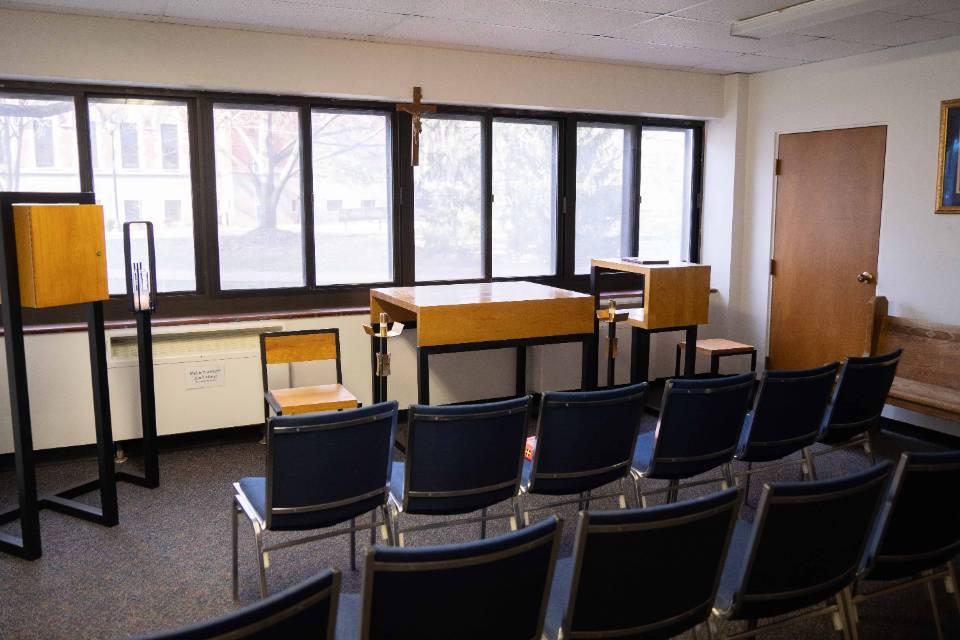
(928, 376)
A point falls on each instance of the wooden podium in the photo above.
(676, 297)
(484, 315)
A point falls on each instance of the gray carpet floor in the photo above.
(168, 562)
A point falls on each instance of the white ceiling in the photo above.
(683, 34)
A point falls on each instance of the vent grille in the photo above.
(193, 344)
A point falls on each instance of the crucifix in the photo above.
(416, 109)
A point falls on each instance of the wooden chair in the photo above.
(288, 347)
(718, 348)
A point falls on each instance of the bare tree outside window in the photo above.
(448, 200)
(130, 149)
(352, 189)
(20, 167)
(604, 181)
(259, 197)
(525, 198)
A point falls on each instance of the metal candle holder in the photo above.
(381, 332)
(142, 296)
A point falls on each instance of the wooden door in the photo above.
(826, 240)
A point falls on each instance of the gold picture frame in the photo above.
(948, 173)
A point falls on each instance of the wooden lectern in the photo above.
(676, 297)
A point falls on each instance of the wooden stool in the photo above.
(718, 348)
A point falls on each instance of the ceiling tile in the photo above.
(863, 21)
(747, 63)
(403, 7)
(921, 8)
(895, 34)
(733, 10)
(279, 14)
(647, 6)
(97, 7)
(539, 14)
(443, 31)
(823, 49)
(705, 35)
(636, 52)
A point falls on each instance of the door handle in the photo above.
(865, 277)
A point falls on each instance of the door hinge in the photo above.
(777, 167)
(773, 267)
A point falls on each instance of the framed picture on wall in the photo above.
(948, 179)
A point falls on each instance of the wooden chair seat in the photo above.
(324, 397)
(932, 399)
(720, 347)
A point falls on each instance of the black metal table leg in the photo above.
(423, 375)
(28, 545)
(521, 375)
(690, 352)
(639, 355)
(611, 353)
(592, 357)
(101, 415)
(375, 384)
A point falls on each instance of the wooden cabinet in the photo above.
(61, 254)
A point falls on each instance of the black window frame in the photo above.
(209, 300)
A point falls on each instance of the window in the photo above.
(114, 119)
(43, 142)
(131, 211)
(448, 200)
(19, 148)
(524, 198)
(172, 212)
(666, 167)
(258, 190)
(605, 169)
(352, 188)
(129, 146)
(170, 145)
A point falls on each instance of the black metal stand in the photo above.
(148, 407)
(28, 544)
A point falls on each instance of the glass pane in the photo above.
(259, 198)
(133, 181)
(604, 181)
(352, 196)
(666, 164)
(525, 198)
(448, 201)
(38, 144)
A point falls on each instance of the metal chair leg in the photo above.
(932, 595)
(373, 527)
(353, 544)
(728, 478)
(811, 468)
(622, 500)
(261, 560)
(235, 512)
(673, 491)
(517, 520)
(952, 569)
(868, 447)
(586, 501)
(846, 628)
(483, 523)
(387, 524)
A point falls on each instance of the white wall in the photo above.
(919, 264)
(39, 46)
(62, 47)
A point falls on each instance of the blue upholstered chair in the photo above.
(483, 589)
(305, 611)
(643, 573)
(460, 459)
(323, 469)
(804, 548)
(585, 440)
(918, 535)
(858, 400)
(786, 418)
(698, 431)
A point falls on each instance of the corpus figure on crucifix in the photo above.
(416, 109)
